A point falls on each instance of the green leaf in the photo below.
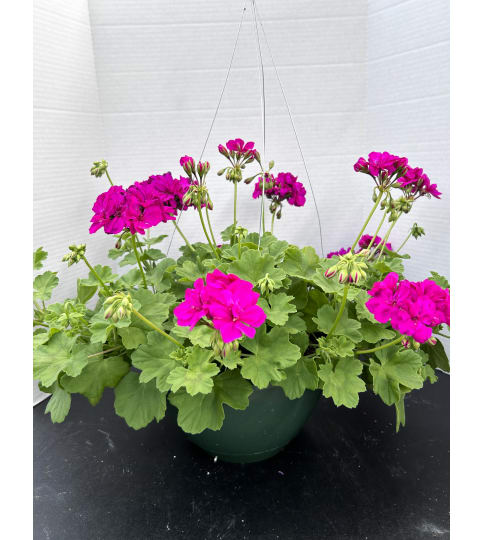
(325, 317)
(105, 274)
(441, 281)
(301, 263)
(295, 324)
(197, 377)
(342, 382)
(271, 353)
(277, 249)
(130, 279)
(395, 369)
(58, 405)
(227, 233)
(100, 327)
(232, 360)
(299, 289)
(39, 255)
(132, 337)
(52, 358)
(40, 338)
(389, 265)
(335, 347)
(129, 260)
(360, 306)
(331, 285)
(85, 292)
(428, 373)
(299, 377)
(254, 265)
(159, 276)
(154, 307)
(205, 411)
(154, 239)
(278, 308)
(437, 357)
(373, 333)
(97, 374)
(155, 361)
(200, 335)
(301, 339)
(153, 254)
(191, 271)
(400, 412)
(44, 284)
(138, 403)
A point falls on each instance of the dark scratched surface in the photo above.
(346, 476)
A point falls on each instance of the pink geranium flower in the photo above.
(189, 312)
(413, 308)
(228, 302)
(284, 187)
(109, 211)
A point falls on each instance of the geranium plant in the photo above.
(243, 311)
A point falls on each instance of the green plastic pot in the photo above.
(262, 430)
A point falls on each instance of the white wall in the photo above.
(407, 82)
(67, 137)
(137, 81)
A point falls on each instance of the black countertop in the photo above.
(346, 476)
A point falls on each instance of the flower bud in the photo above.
(432, 341)
(355, 276)
(342, 276)
(406, 342)
(118, 306)
(187, 163)
(278, 215)
(417, 231)
(330, 272)
(223, 150)
(98, 168)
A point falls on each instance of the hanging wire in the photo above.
(263, 114)
(293, 126)
(215, 112)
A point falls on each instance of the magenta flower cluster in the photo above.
(385, 167)
(364, 242)
(141, 206)
(413, 308)
(284, 187)
(227, 301)
(239, 150)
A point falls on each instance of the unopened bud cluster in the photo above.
(198, 195)
(417, 231)
(220, 348)
(350, 267)
(118, 306)
(410, 343)
(266, 285)
(76, 254)
(99, 168)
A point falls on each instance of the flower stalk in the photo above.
(340, 312)
(136, 252)
(186, 241)
(156, 328)
(96, 275)
(372, 211)
(380, 347)
(206, 232)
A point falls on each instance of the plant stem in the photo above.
(272, 222)
(96, 275)
(394, 342)
(37, 305)
(387, 235)
(375, 206)
(186, 241)
(103, 352)
(209, 225)
(108, 177)
(134, 247)
(405, 241)
(340, 312)
(378, 228)
(205, 231)
(38, 323)
(156, 328)
(235, 199)
(442, 335)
